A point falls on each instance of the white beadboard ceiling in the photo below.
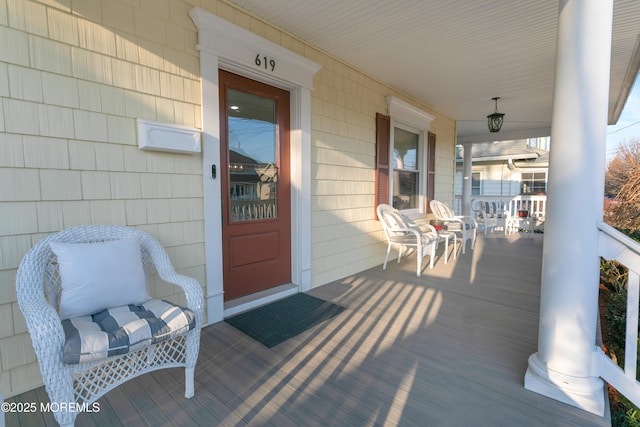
(455, 55)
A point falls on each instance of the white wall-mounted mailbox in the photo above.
(168, 137)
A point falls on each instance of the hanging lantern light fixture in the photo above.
(495, 119)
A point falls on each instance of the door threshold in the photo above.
(257, 299)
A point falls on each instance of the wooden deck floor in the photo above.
(447, 349)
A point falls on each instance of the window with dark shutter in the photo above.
(431, 169)
(384, 164)
(383, 133)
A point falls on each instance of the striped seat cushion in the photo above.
(123, 329)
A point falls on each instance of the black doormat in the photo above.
(278, 321)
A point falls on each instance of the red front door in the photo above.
(256, 211)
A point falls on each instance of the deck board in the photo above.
(448, 348)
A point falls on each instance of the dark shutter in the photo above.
(431, 169)
(383, 134)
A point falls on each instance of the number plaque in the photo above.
(266, 62)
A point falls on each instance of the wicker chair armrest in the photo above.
(189, 285)
(45, 328)
(166, 272)
(413, 231)
(467, 219)
(431, 229)
(463, 219)
(456, 219)
(424, 228)
(398, 229)
(405, 230)
(433, 235)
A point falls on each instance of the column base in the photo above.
(583, 393)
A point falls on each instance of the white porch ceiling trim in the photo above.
(456, 55)
(627, 84)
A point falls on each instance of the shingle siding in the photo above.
(74, 77)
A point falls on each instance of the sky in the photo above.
(628, 126)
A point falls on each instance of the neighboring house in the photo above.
(505, 168)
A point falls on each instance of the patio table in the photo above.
(446, 235)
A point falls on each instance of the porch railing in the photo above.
(535, 205)
(614, 245)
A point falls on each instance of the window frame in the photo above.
(533, 180)
(421, 164)
(410, 118)
(479, 174)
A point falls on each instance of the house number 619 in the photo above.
(267, 63)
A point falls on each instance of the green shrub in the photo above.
(617, 320)
(624, 413)
(626, 417)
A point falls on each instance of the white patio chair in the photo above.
(443, 235)
(494, 214)
(485, 215)
(501, 214)
(402, 234)
(466, 226)
(60, 286)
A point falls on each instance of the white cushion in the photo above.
(96, 276)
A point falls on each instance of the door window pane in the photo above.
(253, 172)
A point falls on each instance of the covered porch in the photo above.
(449, 348)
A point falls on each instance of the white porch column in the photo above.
(467, 163)
(561, 369)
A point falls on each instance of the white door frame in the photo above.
(232, 48)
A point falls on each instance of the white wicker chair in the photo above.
(399, 232)
(466, 226)
(38, 289)
(484, 215)
(491, 214)
(501, 214)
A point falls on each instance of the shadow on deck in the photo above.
(447, 349)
